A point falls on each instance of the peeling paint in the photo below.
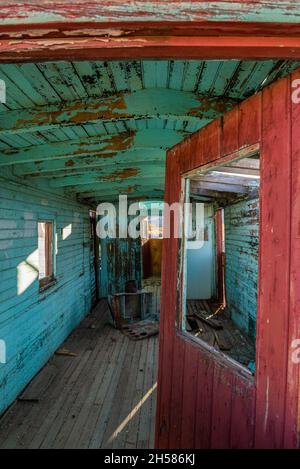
(120, 174)
(145, 103)
(89, 120)
(43, 11)
(69, 163)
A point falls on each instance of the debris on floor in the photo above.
(127, 307)
(29, 400)
(65, 352)
(140, 330)
(219, 331)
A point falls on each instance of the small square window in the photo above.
(45, 249)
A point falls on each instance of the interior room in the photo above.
(134, 343)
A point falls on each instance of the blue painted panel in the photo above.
(34, 324)
(241, 244)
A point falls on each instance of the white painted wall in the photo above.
(200, 265)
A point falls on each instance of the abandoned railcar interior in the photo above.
(149, 225)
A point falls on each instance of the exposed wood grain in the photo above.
(221, 408)
(274, 278)
(83, 405)
(143, 47)
(189, 403)
(292, 426)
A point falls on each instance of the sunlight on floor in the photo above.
(121, 427)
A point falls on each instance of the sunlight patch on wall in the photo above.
(27, 272)
(66, 231)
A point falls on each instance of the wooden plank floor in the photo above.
(105, 397)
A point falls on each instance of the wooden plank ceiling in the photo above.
(97, 129)
(160, 10)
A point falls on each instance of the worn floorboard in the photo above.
(104, 397)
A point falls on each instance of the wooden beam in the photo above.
(118, 175)
(211, 194)
(120, 27)
(151, 103)
(166, 47)
(126, 189)
(246, 151)
(104, 169)
(233, 170)
(226, 179)
(217, 186)
(132, 156)
(108, 185)
(251, 163)
(156, 195)
(101, 146)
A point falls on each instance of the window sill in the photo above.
(48, 285)
(217, 355)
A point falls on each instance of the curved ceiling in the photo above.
(97, 129)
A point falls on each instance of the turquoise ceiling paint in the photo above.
(43, 11)
(98, 129)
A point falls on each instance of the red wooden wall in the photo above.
(203, 402)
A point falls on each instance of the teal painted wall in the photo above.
(121, 259)
(34, 324)
(123, 263)
(241, 244)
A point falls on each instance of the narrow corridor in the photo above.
(99, 393)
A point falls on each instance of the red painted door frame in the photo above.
(213, 404)
(146, 40)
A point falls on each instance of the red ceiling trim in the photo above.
(144, 41)
(147, 28)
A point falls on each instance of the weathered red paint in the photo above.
(145, 28)
(220, 405)
(144, 39)
(149, 47)
(291, 435)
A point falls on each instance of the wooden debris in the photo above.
(140, 330)
(29, 400)
(214, 323)
(65, 352)
(220, 332)
(192, 323)
(205, 333)
(222, 342)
